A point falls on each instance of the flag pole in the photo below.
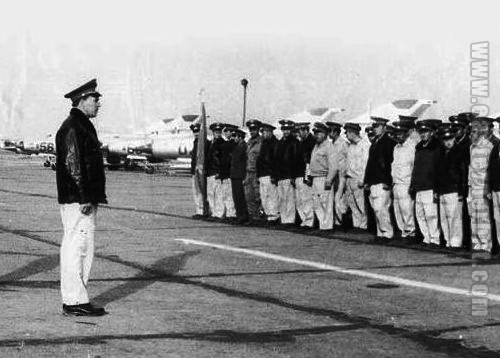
(201, 170)
(244, 83)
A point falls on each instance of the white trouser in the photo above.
(340, 207)
(77, 252)
(404, 207)
(479, 219)
(451, 219)
(427, 216)
(355, 200)
(380, 200)
(322, 203)
(227, 199)
(214, 196)
(286, 197)
(304, 202)
(197, 195)
(269, 198)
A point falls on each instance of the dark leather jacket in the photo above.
(214, 157)
(79, 169)
(306, 147)
(287, 158)
(265, 160)
(238, 161)
(378, 168)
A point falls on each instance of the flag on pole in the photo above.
(200, 170)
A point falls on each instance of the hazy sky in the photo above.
(151, 57)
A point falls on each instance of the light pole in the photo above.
(244, 83)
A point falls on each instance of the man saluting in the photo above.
(80, 188)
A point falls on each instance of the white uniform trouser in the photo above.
(214, 196)
(451, 219)
(380, 200)
(404, 209)
(227, 199)
(77, 252)
(355, 200)
(340, 207)
(304, 202)
(479, 219)
(197, 196)
(269, 198)
(322, 203)
(286, 198)
(427, 216)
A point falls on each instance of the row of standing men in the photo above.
(435, 182)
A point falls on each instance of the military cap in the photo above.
(254, 124)
(88, 89)
(240, 133)
(465, 117)
(229, 127)
(485, 121)
(302, 125)
(403, 126)
(379, 120)
(407, 118)
(428, 124)
(333, 124)
(352, 126)
(267, 126)
(447, 133)
(195, 127)
(286, 124)
(217, 126)
(320, 127)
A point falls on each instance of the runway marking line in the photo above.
(353, 272)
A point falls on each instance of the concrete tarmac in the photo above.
(178, 287)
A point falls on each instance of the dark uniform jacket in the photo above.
(265, 160)
(305, 148)
(378, 168)
(424, 174)
(213, 157)
(79, 168)
(451, 175)
(194, 153)
(225, 159)
(239, 161)
(286, 158)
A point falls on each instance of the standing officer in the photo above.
(286, 168)
(265, 172)
(303, 191)
(228, 206)
(238, 174)
(451, 188)
(478, 200)
(323, 171)
(80, 188)
(423, 180)
(340, 152)
(214, 191)
(402, 168)
(251, 183)
(196, 185)
(378, 178)
(357, 158)
(461, 125)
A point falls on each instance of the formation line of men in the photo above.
(424, 181)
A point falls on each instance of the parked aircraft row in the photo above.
(171, 139)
